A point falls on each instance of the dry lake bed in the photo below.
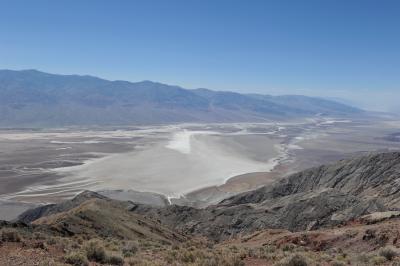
(193, 164)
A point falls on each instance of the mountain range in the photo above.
(34, 98)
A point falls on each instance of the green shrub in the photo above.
(95, 251)
(76, 259)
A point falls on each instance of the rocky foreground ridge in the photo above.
(319, 197)
(352, 204)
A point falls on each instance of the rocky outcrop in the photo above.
(376, 176)
(319, 197)
(105, 218)
(46, 210)
(298, 212)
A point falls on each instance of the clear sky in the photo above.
(332, 48)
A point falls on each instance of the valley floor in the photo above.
(189, 164)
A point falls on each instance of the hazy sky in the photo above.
(332, 48)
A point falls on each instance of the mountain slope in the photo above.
(94, 215)
(315, 198)
(347, 211)
(120, 237)
(319, 197)
(376, 176)
(102, 218)
(33, 98)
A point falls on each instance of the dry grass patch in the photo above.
(10, 235)
(95, 251)
(76, 259)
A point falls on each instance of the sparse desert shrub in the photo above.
(112, 245)
(338, 263)
(243, 254)
(75, 245)
(51, 241)
(267, 252)
(251, 252)
(378, 260)
(141, 262)
(288, 247)
(64, 243)
(130, 248)
(369, 234)
(187, 256)
(10, 235)
(40, 244)
(114, 259)
(234, 249)
(208, 262)
(269, 249)
(172, 255)
(47, 262)
(364, 258)
(79, 240)
(39, 236)
(296, 260)
(388, 253)
(351, 233)
(76, 259)
(271, 256)
(324, 257)
(232, 260)
(341, 257)
(95, 251)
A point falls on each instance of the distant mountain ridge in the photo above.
(34, 98)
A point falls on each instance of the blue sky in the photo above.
(331, 48)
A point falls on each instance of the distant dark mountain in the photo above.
(34, 98)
